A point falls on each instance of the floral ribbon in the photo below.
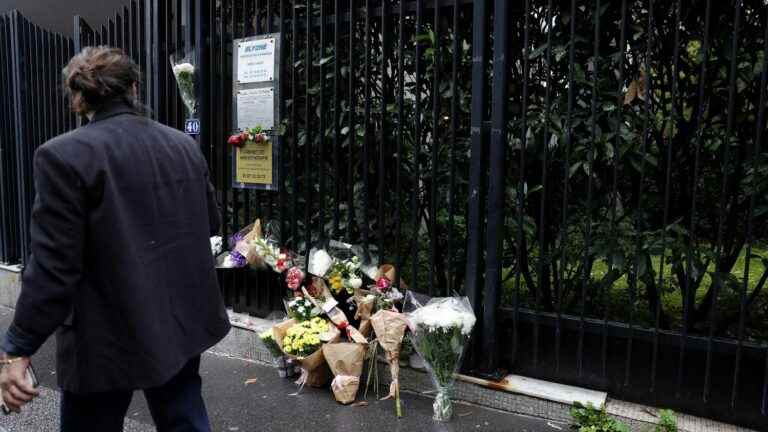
(340, 384)
(301, 381)
(345, 327)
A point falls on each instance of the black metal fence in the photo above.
(32, 111)
(592, 174)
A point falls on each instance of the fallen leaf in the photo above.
(250, 381)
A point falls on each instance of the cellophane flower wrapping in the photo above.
(183, 67)
(440, 330)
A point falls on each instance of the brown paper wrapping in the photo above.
(346, 362)
(315, 372)
(336, 315)
(390, 328)
(364, 311)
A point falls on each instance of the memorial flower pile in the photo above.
(439, 330)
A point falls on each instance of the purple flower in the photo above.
(238, 259)
(235, 239)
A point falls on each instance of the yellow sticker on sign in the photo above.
(253, 163)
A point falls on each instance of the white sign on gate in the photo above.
(256, 61)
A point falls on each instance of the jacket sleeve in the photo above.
(55, 266)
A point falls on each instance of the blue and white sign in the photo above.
(256, 61)
(192, 127)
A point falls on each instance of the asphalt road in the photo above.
(266, 405)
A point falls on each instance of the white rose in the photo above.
(355, 282)
(319, 262)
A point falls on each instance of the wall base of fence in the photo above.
(10, 285)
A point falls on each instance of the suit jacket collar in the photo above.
(111, 110)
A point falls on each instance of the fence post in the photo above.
(473, 288)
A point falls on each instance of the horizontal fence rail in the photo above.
(591, 174)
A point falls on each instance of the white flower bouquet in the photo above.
(440, 330)
(184, 71)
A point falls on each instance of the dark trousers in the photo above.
(176, 406)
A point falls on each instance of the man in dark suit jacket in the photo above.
(121, 265)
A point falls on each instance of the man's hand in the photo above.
(16, 389)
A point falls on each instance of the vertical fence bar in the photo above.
(450, 262)
(688, 295)
(586, 267)
(281, 198)
(5, 153)
(336, 117)
(477, 150)
(364, 160)
(496, 184)
(351, 123)
(633, 277)
(400, 138)
(321, 126)
(750, 235)
(521, 185)
(308, 134)
(383, 149)
(614, 198)
(433, 226)
(544, 278)
(566, 175)
(717, 281)
(294, 128)
(416, 186)
(667, 187)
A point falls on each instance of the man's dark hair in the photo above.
(98, 76)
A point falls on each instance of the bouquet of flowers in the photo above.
(294, 277)
(390, 328)
(184, 71)
(268, 338)
(301, 309)
(302, 342)
(440, 330)
(345, 275)
(248, 135)
(346, 362)
(303, 339)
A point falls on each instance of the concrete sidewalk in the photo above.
(266, 404)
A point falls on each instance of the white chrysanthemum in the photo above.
(445, 314)
(183, 68)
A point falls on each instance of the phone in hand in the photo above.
(31, 378)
